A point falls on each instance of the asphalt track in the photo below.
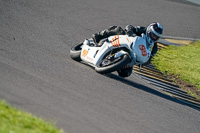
(38, 76)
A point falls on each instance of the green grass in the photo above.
(15, 121)
(181, 61)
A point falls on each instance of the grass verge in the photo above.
(15, 121)
(181, 63)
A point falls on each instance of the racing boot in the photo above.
(86, 42)
(98, 36)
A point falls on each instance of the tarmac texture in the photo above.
(37, 74)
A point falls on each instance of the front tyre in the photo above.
(110, 64)
(75, 52)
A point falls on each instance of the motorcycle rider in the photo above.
(153, 32)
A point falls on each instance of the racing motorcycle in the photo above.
(112, 53)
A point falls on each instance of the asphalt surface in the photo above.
(38, 76)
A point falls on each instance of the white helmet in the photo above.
(154, 32)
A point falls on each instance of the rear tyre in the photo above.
(75, 52)
(110, 65)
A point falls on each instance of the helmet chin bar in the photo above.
(153, 36)
(149, 41)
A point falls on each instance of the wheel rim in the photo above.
(109, 61)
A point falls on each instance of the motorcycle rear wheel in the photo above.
(75, 52)
(112, 66)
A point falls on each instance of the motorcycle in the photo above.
(112, 53)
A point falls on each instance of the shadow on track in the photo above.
(147, 89)
(144, 88)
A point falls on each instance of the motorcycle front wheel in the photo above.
(109, 64)
(75, 52)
